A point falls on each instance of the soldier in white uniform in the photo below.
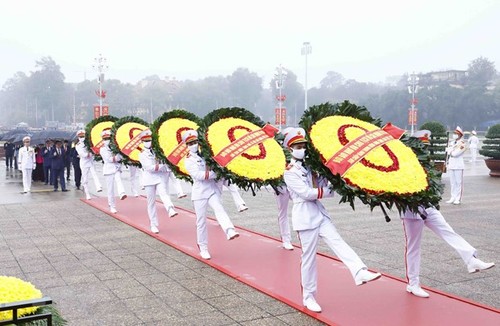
(455, 167)
(473, 146)
(241, 206)
(155, 180)
(282, 200)
(413, 226)
(27, 163)
(177, 185)
(205, 192)
(311, 220)
(86, 165)
(112, 170)
(134, 179)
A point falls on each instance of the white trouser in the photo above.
(413, 232)
(473, 153)
(151, 192)
(456, 184)
(235, 193)
(27, 179)
(309, 241)
(176, 183)
(86, 171)
(134, 183)
(111, 179)
(200, 207)
(282, 201)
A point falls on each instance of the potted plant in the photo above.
(438, 142)
(491, 149)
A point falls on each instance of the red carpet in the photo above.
(259, 261)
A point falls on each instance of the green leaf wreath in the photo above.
(206, 152)
(114, 146)
(155, 126)
(88, 129)
(348, 193)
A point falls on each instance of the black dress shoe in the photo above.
(55, 190)
(64, 190)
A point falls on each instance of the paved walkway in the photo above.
(102, 272)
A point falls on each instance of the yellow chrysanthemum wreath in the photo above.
(383, 171)
(259, 165)
(13, 289)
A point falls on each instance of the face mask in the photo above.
(106, 142)
(455, 136)
(193, 148)
(81, 139)
(299, 153)
(147, 144)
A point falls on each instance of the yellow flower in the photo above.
(95, 133)
(169, 136)
(263, 162)
(13, 289)
(125, 133)
(390, 168)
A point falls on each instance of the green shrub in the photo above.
(491, 145)
(438, 140)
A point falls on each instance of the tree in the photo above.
(480, 72)
(332, 80)
(245, 88)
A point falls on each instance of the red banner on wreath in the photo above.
(240, 145)
(358, 148)
(178, 153)
(133, 143)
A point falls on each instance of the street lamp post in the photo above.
(101, 65)
(280, 75)
(413, 89)
(306, 50)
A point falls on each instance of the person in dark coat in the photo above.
(47, 161)
(67, 163)
(38, 172)
(75, 160)
(58, 161)
(9, 154)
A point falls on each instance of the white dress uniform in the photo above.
(87, 167)
(311, 220)
(235, 193)
(282, 200)
(177, 186)
(456, 166)
(155, 180)
(134, 180)
(413, 226)
(112, 170)
(27, 163)
(205, 192)
(473, 146)
(434, 220)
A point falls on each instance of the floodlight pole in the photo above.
(306, 50)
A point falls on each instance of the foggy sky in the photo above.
(363, 40)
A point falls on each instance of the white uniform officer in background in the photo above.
(112, 170)
(86, 165)
(205, 192)
(413, 226)
(155, 180)
(473, 146)
(134, 173)
(455, 167)
(27, 163)
(311, 220)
